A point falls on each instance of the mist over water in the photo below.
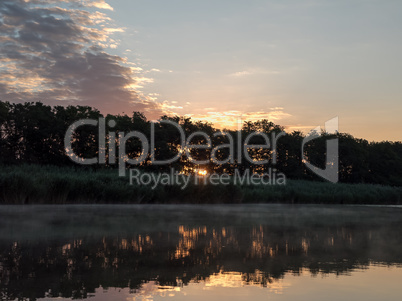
(152, 252)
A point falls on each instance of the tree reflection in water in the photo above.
(71, 251)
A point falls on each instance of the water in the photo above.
(255, 252)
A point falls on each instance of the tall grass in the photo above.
(32, 184)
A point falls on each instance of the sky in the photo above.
(296, 63)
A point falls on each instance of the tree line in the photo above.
(33, 133)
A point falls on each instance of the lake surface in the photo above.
(254, 252)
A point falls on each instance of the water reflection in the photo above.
(79, 252)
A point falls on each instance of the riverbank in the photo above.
(62, 185)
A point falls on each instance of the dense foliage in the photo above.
(33, 133)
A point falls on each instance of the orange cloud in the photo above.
(231, 119)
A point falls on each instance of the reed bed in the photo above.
(34, 184)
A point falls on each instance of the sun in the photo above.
(202, 172)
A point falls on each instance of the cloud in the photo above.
(253, 72)
(100, 4)
(170, 107)
(54, 51)
(241, 73)
(231, 119)
(112, 30)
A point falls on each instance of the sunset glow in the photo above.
(295, 63)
